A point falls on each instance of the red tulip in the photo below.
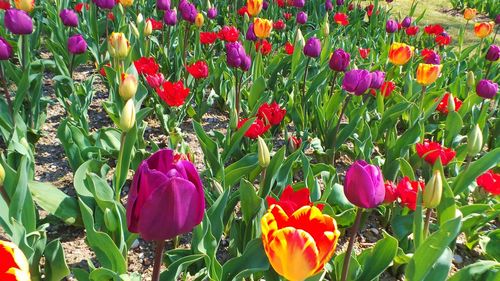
(407, 192)
(279, 25)
(156, 24)
(264, 47)
(207, 38)
(257, 129)
(289, 48)
(434, 29)
(198, 69)
(412, 30)
(443, 105)
(341, 18)
(155, 80)
(174, 94)
(146, 66)
(229, 34)
(490, 181)
(243, 10)
(430, 151)
(391, 192)
(271, 114)
(364, 52)
(290, 200)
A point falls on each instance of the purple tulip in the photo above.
(265, 5)
(328, 5)
(250, 35)
(493, 53)
(69, 17)
(406, 22)
(105, 4)
(170, 17)
(299, 3)
(163, 5)
(235, 55)
(357, 81)
(377, 79)
(18, 22)
(497, 19)
(212, 13)
(5, 49)
(188, 11)
(166, 198)
(486, 89)
(391, 26)
(301, 17)
(246, 62)
(313, 47)
(432, 58)
(364, 185)
(77, 45)
(339, 61)
(340, 2)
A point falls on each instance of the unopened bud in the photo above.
(128, 86)
(433, 190)
(233, 119)
(148, 28)
(294, 143)
(326, 26)
(2, 174)
(135, 31)
(127, 120)
(300, 42)
(474, 141)
(140, 18)
(263, 152)
(471, 79)
(218, 187)
(110, 220)
(451, 103)
(246, 17)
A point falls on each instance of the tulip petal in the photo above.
(358, 187)
(15, 274)
(162, 160)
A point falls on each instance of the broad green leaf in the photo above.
(253, 260)
(180, 265)
(483, 164)
(250, 202)
(55, 265)
(376, 260)
(481, 270)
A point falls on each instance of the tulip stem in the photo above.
(71, 65)
(304, 93)
(488, 70)
(421, 102)
(237, 92)
(158, 260)
(24, 51)
(337, 128)
(4, 195)
(352, 237)
(332, 85)
(6, 92)
(428, 214)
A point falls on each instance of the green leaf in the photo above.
(210, 150)
(55, 265)
(180, 265)
(481, 270)
(483, 164)
(441, 267)
(250, 202)
(375, 260)
(253, 260)
(240, 169)
(258, 88)
(490, 244)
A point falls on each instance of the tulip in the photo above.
(294, 143)
(69, 17)
(470, 14)
(407, 192)
(127, 119)
(430, 56)
(364, 185)
(400, 53)
(474, 141)
(13, 263)
(262, 27)
(5, 49)
(199, 20)
(433, 190)
(340, 60)
(430, 151)
(328, 5)
(391, 26)
(212, 13)
(300, 42)
(170, 17)
(471, 79)
(428, 73)
(166, 198)
(128, 86)
(234, 54)
(188, 11)
(163, 5)
(148, 28)
(490, 181)
(2, 175)
(173, 94)
(298, 245)
(127, 3)
(18, 22)
(263, 153)
(77, 45)
(105, 4)
(198, 69)
(313, 47)
(299, 3)
(246, 63)
(357, 81)
(391, 193)
(301, 17)
(493, 53)
(377, 79)
(339, 2)
(483, 29)
(497, 19)
(254, 7)
(406, 22)
(486, 89)
(250, 35)
(25, 5)
(118, 45)
(325, 27)
(271, 114)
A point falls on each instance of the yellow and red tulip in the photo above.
(13, 264)
(483, 29)
(127, 3)
(400, 53)
(118, 45)
(199, 20)
(428, 73)
(254, 7)
(470, 14)
(262, 27)
(25, 5)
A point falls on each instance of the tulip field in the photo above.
(249, 140)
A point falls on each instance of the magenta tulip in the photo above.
(364, 185)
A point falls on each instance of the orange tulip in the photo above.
(254, 7)
(127, 3)
(483, 29)
(400, 53)
(13, 264)
(428, 73)
(470, 14)
(298, 245)
(25, 5)
(262, 27)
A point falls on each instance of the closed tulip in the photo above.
(299, 3)
(391, 26)
(339, 61)
(5, 49)
(250, 35)
(166, 198)
(13, 264)
(493, 53)
(105, 4)
(433, 190)
(18, 22)
(128, 86)
(377, 79)
(364, 185)
(127, 119)
(25, 5)
(474, 141)
(486, 89)
(301, 17)
(356, 81)
(262, 27)
(69, 17)
(298, 238)
(170, 17)
(199, 20)
(254, 7)
(313, 47)
(77, 44)
(212, 13)
(328, 5)
(148, 28)
(406, 22)
(483, 29)
(163, 4)
(118, 45)
(127, 3)
(400, 53)
(470, 14)
(428, 73)
(188, 11)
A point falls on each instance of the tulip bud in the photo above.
(233, 119)
(135, 31)
(118, 45)
(148, 28)
(2, 174)
(263, 152)
(218, 187)
(127, 119)
(433, 190)
(300, 42)
(451, 103)
(110, 220)
(199, 20)
(128, 86)
(474, 141)
(139, 19)
(471, 79)
(246, 17)
(294, 143)
(326, 26)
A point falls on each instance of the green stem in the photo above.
(158, 259)
(24, 46)
(6, 92)
(304, 93)
(337, 128)
(71, 65)
(428, 214)
(118, 169)
(352, 237)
